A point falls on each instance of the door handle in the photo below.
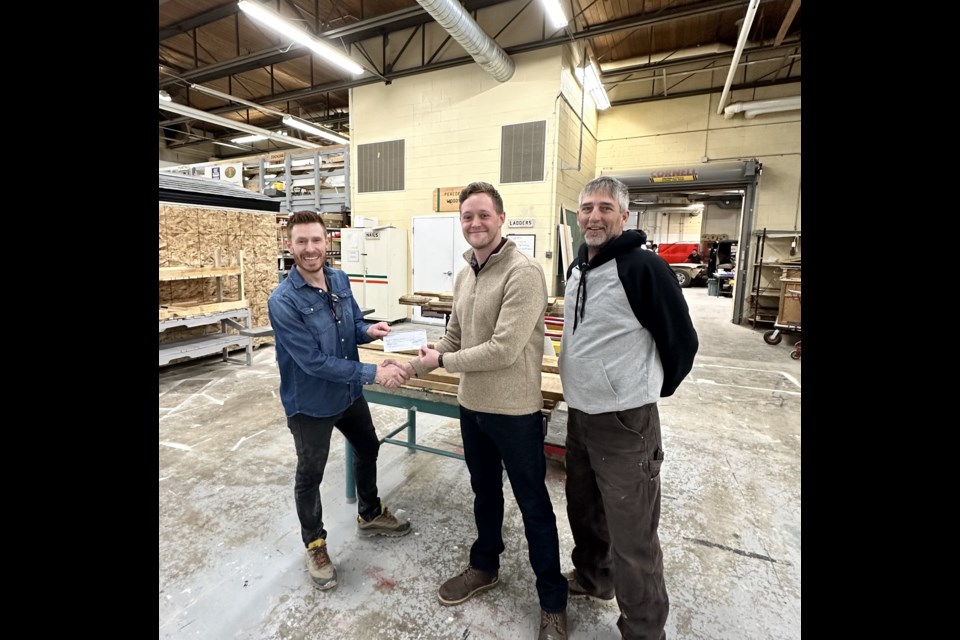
(448, 273)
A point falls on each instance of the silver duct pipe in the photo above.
(451, 15)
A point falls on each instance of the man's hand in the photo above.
(429, 356)
(407, 367)
(390, 376)
(377, 331)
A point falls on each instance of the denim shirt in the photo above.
(320, 370)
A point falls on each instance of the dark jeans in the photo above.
(491, 443)
(311, 436)
(613, 503)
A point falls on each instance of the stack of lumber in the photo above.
(442, 302)
(443, 381)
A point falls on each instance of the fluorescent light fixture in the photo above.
(227, 96)
(197, 114)
(590, 80)
(555, 13)
(279, 24)
(165, 96)
(290, 121)
(224, 144)
(246, 139)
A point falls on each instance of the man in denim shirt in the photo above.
(317, 326)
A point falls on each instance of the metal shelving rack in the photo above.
(233, 314)
(311, 182)
(764, 299)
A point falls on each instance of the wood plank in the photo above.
(181, 311)
(378, 346)
(192, 273)
(550, 384)
(549, 362)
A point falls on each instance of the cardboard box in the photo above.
(447, 199)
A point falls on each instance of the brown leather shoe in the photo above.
(574, 588)
(462, 587)
(553, 626)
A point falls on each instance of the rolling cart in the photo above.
(788, 318)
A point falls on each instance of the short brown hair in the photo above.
(482, 187)
(304, 217)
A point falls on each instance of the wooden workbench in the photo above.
(436, 393)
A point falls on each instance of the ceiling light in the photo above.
(590, 80)
(251, 138)
(281, 25)
(227, 96)
(555, 13)
(165, 96)
(197, 114)
(290, 121)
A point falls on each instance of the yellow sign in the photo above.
(687, 174)
(447, 199)
(675, 179)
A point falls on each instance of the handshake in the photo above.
(392, 373)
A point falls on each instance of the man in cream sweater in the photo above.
(494, 340)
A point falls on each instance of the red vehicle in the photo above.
(674, 252)
(677, 254)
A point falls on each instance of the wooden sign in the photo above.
(447, 199)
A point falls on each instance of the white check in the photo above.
(404, 341)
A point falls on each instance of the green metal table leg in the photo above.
(412, 428)
(351, 481)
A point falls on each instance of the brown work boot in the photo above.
(462, 587)
(574, 588)
(320, 565)
(385, 524)
(553, 626)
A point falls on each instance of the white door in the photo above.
(438, 247)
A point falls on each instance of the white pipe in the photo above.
(190, 112)
(451, 15)
(750, 109)
(741, 41)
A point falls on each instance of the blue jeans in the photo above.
(311, 436)
(491, 443)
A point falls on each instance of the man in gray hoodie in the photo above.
(628, 341)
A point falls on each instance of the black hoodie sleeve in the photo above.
(657, 301)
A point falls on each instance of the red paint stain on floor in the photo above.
(380, 581)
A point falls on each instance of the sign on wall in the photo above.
(526, 243)
(526, 223)
(447, 199)
(226, 172)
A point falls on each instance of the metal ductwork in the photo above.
(451, 15)
(756, 107)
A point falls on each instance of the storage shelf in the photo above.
(205, 346)
(168, 274)
(304, 175)
(764, 279)
(227, 314)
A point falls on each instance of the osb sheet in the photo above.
(259, 224)
(190, 236)
(180, 219)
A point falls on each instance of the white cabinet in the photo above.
(375, 260)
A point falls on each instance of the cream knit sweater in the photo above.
(494, 338)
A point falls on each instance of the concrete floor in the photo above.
(231, 559)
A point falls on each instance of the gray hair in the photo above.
(610, 186)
